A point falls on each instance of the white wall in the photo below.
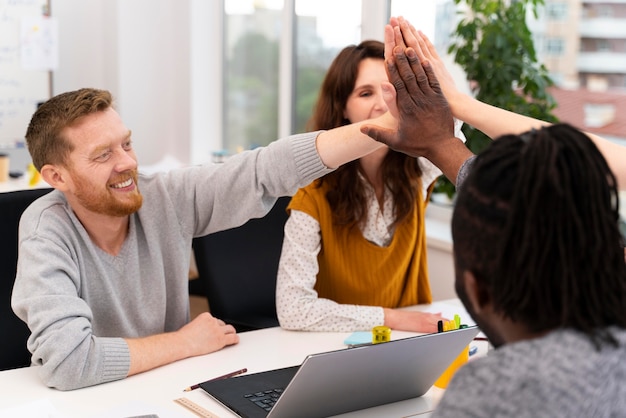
(140, 50)
(440, 258)
(154, 75)
(84, 60)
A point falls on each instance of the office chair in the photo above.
(238, 267)
(14, 331)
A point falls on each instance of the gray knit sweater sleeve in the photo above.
(562, 374)
(464, 171)
(80, 302)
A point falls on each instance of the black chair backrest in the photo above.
(14, 331)
(238, 269)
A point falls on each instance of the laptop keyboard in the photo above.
(265, 399)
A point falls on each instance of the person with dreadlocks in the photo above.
(540, 267)
(538, 258)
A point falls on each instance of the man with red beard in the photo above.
(102, 277)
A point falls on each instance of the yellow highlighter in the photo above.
(461, 359)
(444, 379)
(33, 175)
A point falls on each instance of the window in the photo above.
(598, 115)
(276, 53)
(258, 40)
(554, 46)
(251, 62)
(604, 10)
(556, 11)
(603, 45)
(323, 28)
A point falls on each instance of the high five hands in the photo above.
(416, 99)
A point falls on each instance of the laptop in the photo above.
(344, 380)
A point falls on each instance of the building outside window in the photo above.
(556, 11)
(554, 46)
(603, 45)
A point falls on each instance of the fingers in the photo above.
(382, 135)
(427, 46)
(414, 31)
(231, 339)
(214, 322)
(418, 70)
(408, 33)
(228, 329)
(403, 79)
(421, 49)
(413, 38)
(415, 46)
(394, 76)
(399, 40)
(422, 41)
(389, 96)
(230, 335)
(390, 42)
(432, 78)
(226, 334)
(424, 52)
(430, 324)
(424, 75)
(412, 76)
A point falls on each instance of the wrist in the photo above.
(439, 149)
(390, 317)
(449, 155)
(461, 105)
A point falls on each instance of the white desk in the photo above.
(154, 392)
(21, 183)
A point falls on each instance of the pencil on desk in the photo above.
(226, 376)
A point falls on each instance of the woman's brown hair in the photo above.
(401, 173)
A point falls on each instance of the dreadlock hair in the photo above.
(536, 222)
(402, 173)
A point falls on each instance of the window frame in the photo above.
(375, 13)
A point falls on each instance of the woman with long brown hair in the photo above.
(355, 244)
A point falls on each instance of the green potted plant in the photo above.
(495, 48)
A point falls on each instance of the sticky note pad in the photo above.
(358, 337)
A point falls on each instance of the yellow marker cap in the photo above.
(33, 175)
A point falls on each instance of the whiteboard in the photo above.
(20, 89)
